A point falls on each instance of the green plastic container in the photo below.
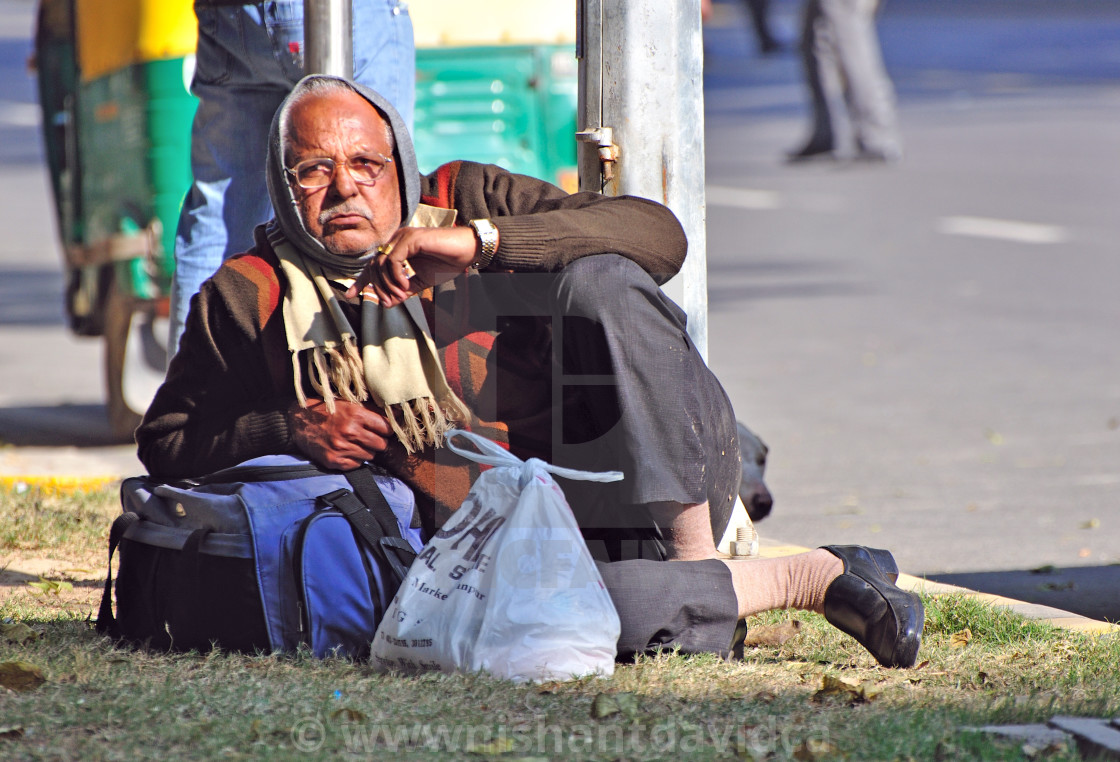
(511, 105)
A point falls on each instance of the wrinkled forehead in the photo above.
(329, 115)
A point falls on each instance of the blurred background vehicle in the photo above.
(113, 78)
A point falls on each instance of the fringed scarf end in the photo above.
(320, 379)
(352, 359)
(423, 422)
(301, 398)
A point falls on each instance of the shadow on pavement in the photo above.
(1091, 591)
(57, 426)
(31, 297)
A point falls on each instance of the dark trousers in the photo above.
(636, 397)
(615, 383)
(688, 605)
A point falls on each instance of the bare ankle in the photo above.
(686, 529)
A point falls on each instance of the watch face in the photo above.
(485, 231)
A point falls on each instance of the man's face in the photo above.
(349, 219)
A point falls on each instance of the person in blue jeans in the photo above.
(248, 59)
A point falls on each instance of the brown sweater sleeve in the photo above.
(224, 399)
(541, 228)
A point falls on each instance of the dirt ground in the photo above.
(71, 582)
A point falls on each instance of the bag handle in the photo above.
(492, 454)
(106, 622)
(367, 489)
(369, 513)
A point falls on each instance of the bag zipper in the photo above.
(302, 608)
(260, 474)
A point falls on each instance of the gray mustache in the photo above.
(343, 208)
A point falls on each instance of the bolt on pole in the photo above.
(641, 122)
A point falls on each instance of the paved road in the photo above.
(929, 348)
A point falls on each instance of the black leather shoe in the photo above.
(881, 559)
(814, 149)
(864, 603)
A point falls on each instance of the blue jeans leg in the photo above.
(248, 58)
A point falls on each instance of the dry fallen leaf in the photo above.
(960, 639)
(20, 676)
(51, 586)
(497, 746)
(1033, 751)
(346, 714)
(606, 704)
(627, 703)
(772, 635)
(814, 748)
(11, 731)
(17, 632)
(845, 687)
(1091, 524)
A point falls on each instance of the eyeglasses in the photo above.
(319, 172)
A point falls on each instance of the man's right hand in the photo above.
(340, 441)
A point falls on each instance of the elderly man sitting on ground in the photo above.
(380, 307)
(565, 348)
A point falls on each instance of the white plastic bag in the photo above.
(507, 585)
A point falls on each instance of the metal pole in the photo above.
(327, 42)
(642, 121)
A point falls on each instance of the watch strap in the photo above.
(487, 236)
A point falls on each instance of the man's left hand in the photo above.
(433, 255)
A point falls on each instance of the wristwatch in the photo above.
(487, 236)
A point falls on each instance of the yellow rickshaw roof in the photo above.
(113, 34)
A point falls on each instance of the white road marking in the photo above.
(743, 198)
(1007, 230)
(1097, 480)
(19, 114)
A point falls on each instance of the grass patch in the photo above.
(72, 524)
(104, 702)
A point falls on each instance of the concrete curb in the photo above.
(1032, 611)
(57, 485)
